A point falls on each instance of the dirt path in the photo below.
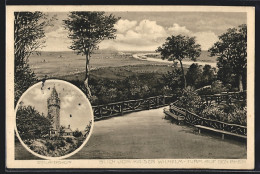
(148, 135)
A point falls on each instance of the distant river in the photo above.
(143, 57)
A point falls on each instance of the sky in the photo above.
(72, 102)
(146, 31)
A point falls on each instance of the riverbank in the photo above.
(144, 57)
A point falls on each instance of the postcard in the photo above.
(167, 87)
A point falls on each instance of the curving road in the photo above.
(141, 57)
(147, 135)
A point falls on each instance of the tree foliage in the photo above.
(199, 77)
(62, 128)
(31, 124)
(194, 75)
(208, 75)
(173, 80)
(87, 30)
(190, 100)
(77, 133)
(178, 48)
(231, 50)
(28, 39)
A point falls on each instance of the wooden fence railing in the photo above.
(228, 97)
(193, 119)
(120, 108)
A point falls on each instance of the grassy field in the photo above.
(120, 73)
(57, 64)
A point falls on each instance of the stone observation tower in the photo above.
(53, 103)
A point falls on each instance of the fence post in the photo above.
(100, 111)
(148, 104)
(133, 105)
(157, 101)
(163, 100)
(122, 108)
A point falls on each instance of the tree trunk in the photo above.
(240, 83)
(184, 78)
(87, 76)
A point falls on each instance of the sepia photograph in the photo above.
(167, 87)
(53, 119)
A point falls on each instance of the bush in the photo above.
(31, 124)
(49, 145)
(190, 100)
(69, 140)
(230, 114)
(238, 116)
(214, 113)
(216, 88)
(173, 80)
(61, 143)
(77, 133)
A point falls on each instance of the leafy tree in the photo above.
(28, 39)
(178, 48)
(208, 75)
(194, 75)
(231, 50)
(31, 124)
(173, 79)
(87, 30)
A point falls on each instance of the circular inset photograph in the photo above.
(54, 119)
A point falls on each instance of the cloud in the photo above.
(133, 35)
(67, 101)
(146, 35)
(59, 32)
(177, 29)
(150, 28)
(124, 25)
(206, 39)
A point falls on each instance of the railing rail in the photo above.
(194, 119)
(228, 97)
(120, 108)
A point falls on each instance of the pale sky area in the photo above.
(72, 102)
(146, 31)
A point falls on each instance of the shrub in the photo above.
(190, 100)
(230, 114)
(61, 143)
(215, 88)
(238, 116)
(31, 124)
(69, 140)
(173, 80)
(77, 133)
(49, 145)
(215, 113)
